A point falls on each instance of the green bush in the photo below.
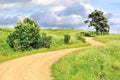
(81, 38)
(88, 34)
(26, 35)
(67, 39)
(45, 41)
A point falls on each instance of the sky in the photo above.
(59, 13)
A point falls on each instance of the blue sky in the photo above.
(59, 13)
(112, 6)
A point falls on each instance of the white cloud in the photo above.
(64, 20)
(58, 2)
(8, 6)
(114, 22)
(115, 19)
(42, 2)
(62, 13)
(53, 20)
(71, 19)
(110, 1)
(57, 8)
(8, 20)
(88, 8)
(55, 13)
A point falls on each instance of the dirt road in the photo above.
(36, 66)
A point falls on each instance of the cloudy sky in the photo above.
(59, 13)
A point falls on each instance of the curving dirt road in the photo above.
(36, 66)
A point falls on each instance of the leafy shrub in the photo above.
(79, 37)
(67, 39)
(26, 35)
(88, 34)
(45, 41)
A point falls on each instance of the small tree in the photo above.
(67, 39)
(99, 21)
(45, 41)
(26, 35)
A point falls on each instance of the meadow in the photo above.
(107, 38)
(93, 63)
(7, 53)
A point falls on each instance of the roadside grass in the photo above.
(107, 38)
(93, 63)
(7, 53)
(4, 47)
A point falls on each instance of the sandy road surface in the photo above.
(36, 66)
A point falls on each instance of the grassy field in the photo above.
(107, 38)
(93, 63)
(61, 32)
(6, 53)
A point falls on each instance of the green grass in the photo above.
(93, 63)
(58, 36)
(107, 38)
(7, 29)
(7, 53)
(61, 32)
(4, 47)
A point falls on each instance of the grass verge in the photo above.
(93, 63)
(107, 38)
(12, 55)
